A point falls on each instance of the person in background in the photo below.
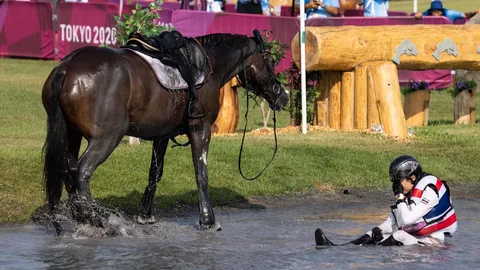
(319, 8)
(436, 9)
(193, 4)
(254, 7)
(215, 5)
(374, 8)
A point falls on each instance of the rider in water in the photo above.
(423, 213)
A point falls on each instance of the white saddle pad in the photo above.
(168, 76)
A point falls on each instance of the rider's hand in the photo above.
(377, 235)
(397, 188)
(418, 15)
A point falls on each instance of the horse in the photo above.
(103, 94)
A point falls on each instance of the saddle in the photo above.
(184, 54)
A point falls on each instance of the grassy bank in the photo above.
(318, 160)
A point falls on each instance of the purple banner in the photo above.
(199, 23)
(353, 12)
(26, 29)
(285, 10)
(438, 79)
(85, 24)
(396, 13)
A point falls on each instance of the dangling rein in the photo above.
(245, 128)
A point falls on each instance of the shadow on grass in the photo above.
(440, 122)
(446, 122)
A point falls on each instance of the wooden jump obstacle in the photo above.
(227, 119)
(359, 86)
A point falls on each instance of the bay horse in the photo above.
(104, 94)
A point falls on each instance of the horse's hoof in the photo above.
(145, 220)
(211, 228)
(58, 228)
(96, 220)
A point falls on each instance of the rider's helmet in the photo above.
(404, 166)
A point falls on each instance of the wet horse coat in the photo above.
(103, 94)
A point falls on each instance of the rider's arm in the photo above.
(428, 200)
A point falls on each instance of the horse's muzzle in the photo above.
(280, 101)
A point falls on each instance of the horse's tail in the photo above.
(55, 148)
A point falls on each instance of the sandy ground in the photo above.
(372, 197)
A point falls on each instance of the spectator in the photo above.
(374, 8)
(319, 8)
(436, 9)
(193, 4)
(253, 7)
(215, 5)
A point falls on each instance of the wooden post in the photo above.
(320, 110)
(334, 100)
(227, 119)
(360, 100)
(347, 99)
(464, 111)
(372, 108)
(416, 108)
(472, 108)
(387, 91)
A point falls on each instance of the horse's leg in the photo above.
(74, 142)
(200, 140)
(156, 170)
(97, 152)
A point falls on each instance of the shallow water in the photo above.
(272, 238)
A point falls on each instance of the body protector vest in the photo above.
(441, 218)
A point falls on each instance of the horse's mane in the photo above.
(232, 41)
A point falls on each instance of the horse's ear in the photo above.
(259, 39)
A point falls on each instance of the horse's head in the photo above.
(260, 76)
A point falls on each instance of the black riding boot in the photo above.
(390, 241)
(321, 239)
(363, 240)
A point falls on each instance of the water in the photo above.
(271, 238)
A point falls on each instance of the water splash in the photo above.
(114, 223)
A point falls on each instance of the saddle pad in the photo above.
(168, 76)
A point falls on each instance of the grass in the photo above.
(423, 5)
(313, 161)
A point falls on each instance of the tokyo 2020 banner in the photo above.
(85, 24)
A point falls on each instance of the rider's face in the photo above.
(407, 184)
(436, 13)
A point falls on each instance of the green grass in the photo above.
(303, 162)
(423, 5)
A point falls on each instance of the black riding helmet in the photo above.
(404, 166)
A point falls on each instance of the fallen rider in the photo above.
(423, 213)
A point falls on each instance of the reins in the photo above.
(245, 86)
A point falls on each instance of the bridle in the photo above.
(245, 85)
